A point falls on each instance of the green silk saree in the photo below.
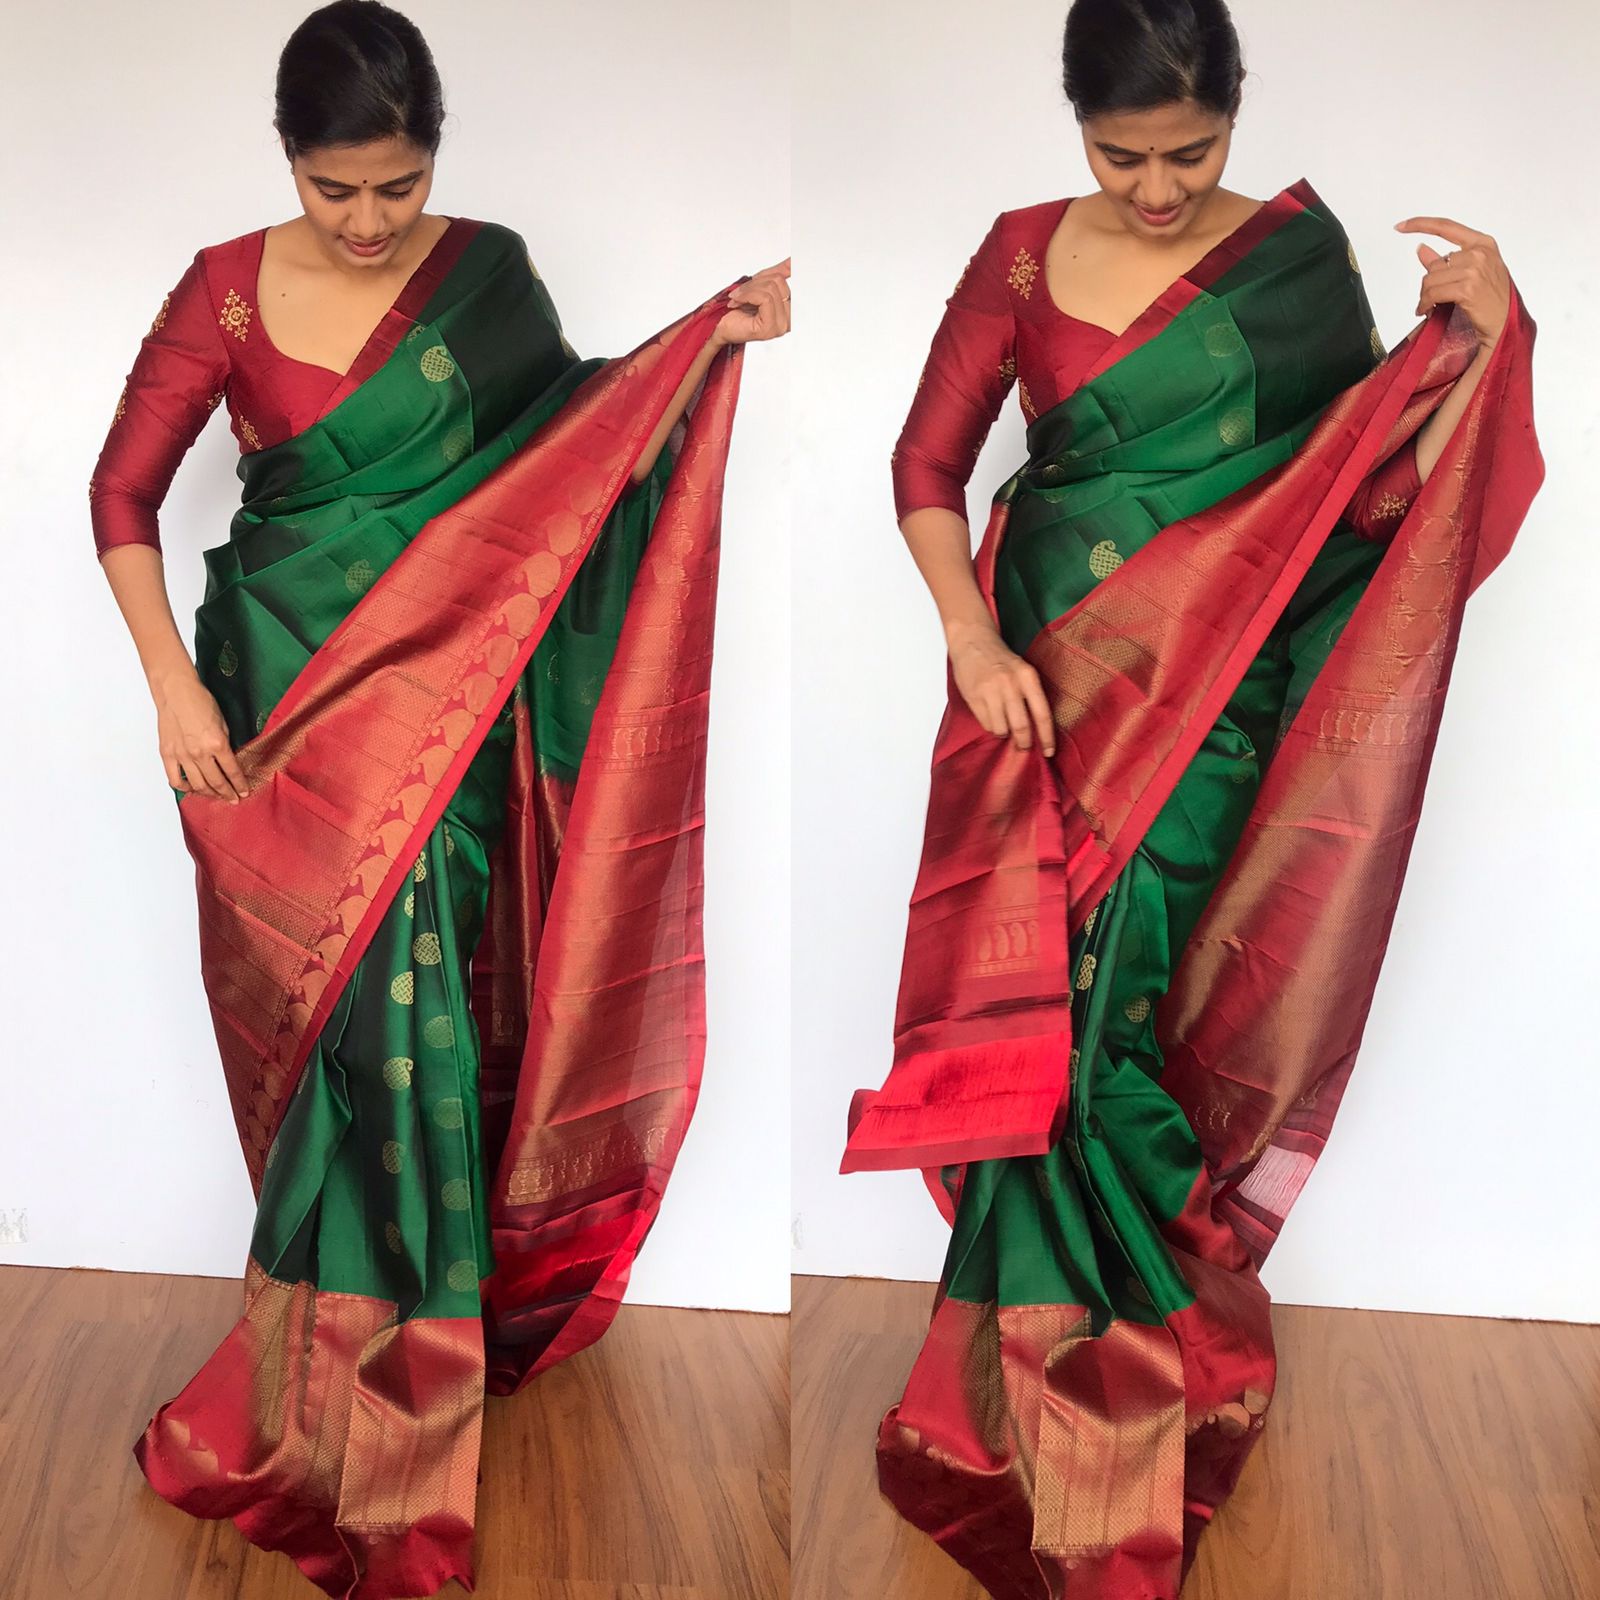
(451, 940)
(1137, 973)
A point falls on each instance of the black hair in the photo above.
(356, 71)
(1130, 55)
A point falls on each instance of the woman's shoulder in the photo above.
(1026, 230)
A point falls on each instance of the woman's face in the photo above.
(363, 194)
(1159, 166)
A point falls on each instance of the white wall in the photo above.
(642, 152)
(1461, 1175)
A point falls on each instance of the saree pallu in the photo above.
(452, 939)
(1137, 973)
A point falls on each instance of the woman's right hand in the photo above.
(1001, 689)
(194, 740)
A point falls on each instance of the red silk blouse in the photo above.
(1001, 328)
(205, 346)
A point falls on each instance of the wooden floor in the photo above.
(652, 1466)
(1404, 1458)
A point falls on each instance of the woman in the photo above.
(1196, 671)
(439, 760)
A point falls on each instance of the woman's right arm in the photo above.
(177, 379)
(970, 368)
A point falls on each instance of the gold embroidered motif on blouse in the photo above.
(1023, 271)
(161, 315)
(1029, 410)
(122, 404)
(1389, 505)
(1008, 368)
(235, 318)
(248, 434)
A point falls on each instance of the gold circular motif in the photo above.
(1236, 426)
(1379, 349)
(421, 870)
(391, 1237)
(227, 659)
(1137, 1009)
(455, 1195)
(439, 1032)
(397, 1072)
(448, 1113)
(393, 1155)
(425, 949)
(457, 442)
(1223, 339)
(436, 364)
(1086, 971)
(462, 1276)
(1103, 559)
(358, 576)
(404, 988)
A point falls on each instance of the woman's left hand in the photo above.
(758, 308)
(1472, 276)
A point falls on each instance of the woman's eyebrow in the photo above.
(388, 183)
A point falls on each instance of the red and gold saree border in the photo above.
(323, 1427)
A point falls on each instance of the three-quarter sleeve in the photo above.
(177, 379)
(1384, 496)
(970, 368)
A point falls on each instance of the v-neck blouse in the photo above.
(208, 345)
(1002, 328)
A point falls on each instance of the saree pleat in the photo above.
(429, 610)
(1136, 975)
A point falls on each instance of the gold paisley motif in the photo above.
(397, 1072)
(1103, 559)
(1086, 972)
(440, 1032)
(437, 364)
(394, 1155)
(1235, 426)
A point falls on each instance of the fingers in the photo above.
(1039, 708)
(209, 769)
(1445, 228)
(233, 772)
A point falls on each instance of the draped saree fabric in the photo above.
(1137, 973)
(451, 940)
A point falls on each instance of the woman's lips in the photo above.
(376, 248)
(1158, 219)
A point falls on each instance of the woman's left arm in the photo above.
(1473, 277)
(757, 309)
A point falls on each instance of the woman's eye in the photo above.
(388, 194)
